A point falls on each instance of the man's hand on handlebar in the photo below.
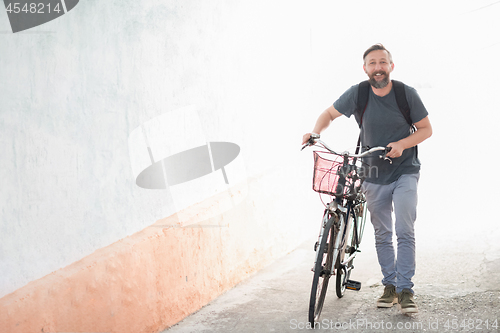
(307, 137)
(396, 150)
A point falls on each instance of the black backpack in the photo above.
(362, 102)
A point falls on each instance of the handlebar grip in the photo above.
(311, 141)
(387, 149)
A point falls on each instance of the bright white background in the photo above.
(448, 51)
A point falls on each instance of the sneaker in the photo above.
(406, 303)
(389, 298)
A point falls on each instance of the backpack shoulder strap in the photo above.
(362, 102)
(399, 90)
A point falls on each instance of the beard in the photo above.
(379, 84)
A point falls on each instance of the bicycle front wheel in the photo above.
(322, 268)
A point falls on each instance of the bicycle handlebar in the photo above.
(312, 142)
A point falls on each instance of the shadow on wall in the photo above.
(171, 155)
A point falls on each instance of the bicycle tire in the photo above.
(341, 277)
(322, 268)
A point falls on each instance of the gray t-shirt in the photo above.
(382, 124)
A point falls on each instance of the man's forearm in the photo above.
(417, 137)
(322, 123)
(325, 119)
(423, 132)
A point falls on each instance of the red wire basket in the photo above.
(326, 174)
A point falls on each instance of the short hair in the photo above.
(377, 47)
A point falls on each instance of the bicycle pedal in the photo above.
(353, 285)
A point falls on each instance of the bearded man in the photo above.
(394, 186)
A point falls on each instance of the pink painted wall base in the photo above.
(148, 281)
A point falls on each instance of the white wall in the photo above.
(74, 89)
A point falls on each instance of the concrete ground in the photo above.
(457, 289)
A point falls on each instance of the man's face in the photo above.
(378, 66)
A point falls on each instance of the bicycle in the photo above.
(343, 221)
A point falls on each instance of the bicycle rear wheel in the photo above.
(322, 268)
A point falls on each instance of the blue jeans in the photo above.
(401, 196)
